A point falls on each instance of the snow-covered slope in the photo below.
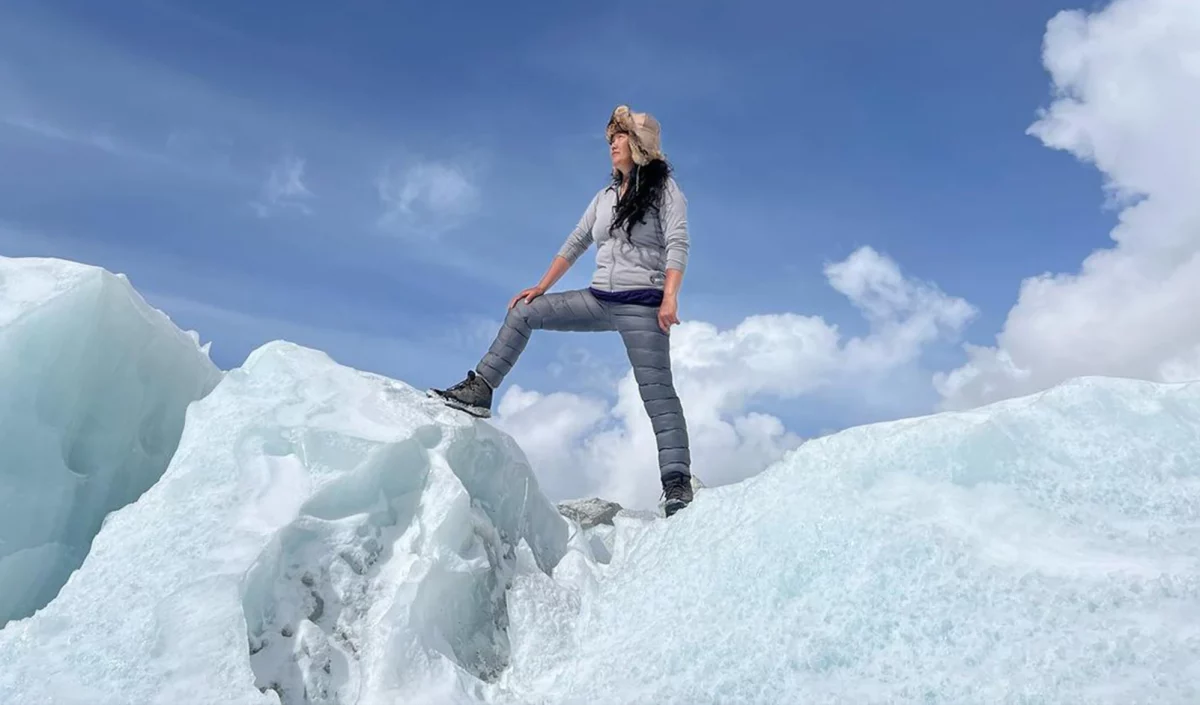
(1042, 550)
(93, 387)
(323, 535)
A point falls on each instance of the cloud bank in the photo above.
(1126, 100)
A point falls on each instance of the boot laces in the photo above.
(468, 382)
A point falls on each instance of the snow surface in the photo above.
(1042, 550)
(93, 387)
(324, 535)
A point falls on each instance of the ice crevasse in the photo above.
(326, 535)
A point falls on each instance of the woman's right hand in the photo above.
(528, 295)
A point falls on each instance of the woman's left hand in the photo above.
(668, 313)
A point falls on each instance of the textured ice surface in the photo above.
(93, 388)
(327, 536)
(1043, 550)
(321, 536)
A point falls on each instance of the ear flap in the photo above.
(639, 154)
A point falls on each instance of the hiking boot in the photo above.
(677, 490)
(472, 395)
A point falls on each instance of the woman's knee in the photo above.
(518, 316)
(653, 371)
(662, 404)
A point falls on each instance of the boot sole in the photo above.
(476, 411)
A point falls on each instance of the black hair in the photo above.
(644, 195)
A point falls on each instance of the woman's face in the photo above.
(618, 149)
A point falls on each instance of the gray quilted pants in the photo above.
(647, 346)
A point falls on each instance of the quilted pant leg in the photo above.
(575, 310)
(649, 351)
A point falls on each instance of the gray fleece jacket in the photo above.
(656, 245)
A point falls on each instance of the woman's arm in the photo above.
(668, 310)
(674, 281)
(558, 267)
(581, 237)
(575, 245)
(675, 228)
(678, 242)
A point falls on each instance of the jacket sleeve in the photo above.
(581, 237)
(675, 227)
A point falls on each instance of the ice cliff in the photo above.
(325, 535)
(93, 387)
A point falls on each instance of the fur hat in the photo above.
(645, 134)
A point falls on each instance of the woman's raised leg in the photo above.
(575, 310)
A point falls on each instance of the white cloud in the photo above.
(284, 189)
(426, 198)
(550, 429)
(581, 446)
(41, 128)
(97, 138)
(1126, 101)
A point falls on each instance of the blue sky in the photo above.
(378, 179)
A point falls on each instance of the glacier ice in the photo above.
(1044, 549)
(326, 535)
(321, 535)
(93, 388)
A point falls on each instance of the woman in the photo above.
(639, 225)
